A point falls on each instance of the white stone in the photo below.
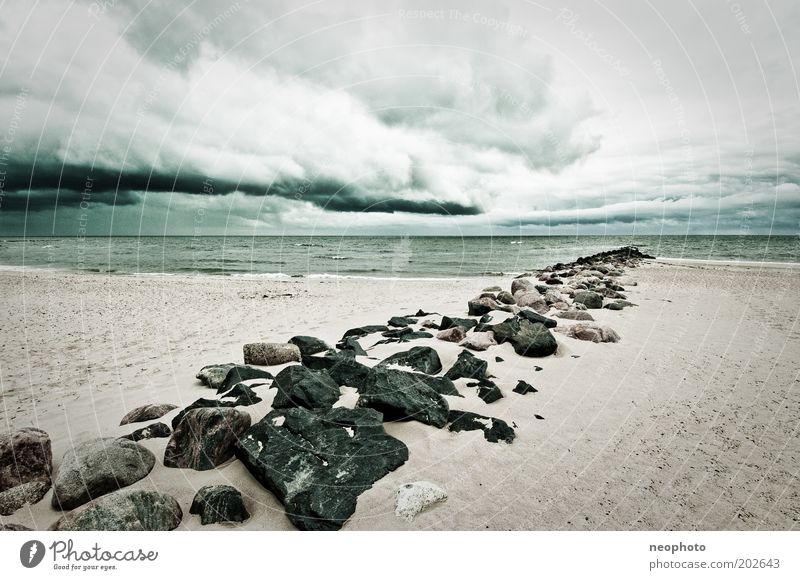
(412, 498)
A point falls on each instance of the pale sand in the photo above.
(690, 422)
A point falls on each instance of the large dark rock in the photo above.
(309, 344)
(467, 366)
(201, 404)
(494, 430)
(400, 396)
(503, 331)
(147, 413)
(299, 386)
(465, 323)
(25, 456)
(341, 366)
(532, 316)
(129, 510)
(218, 504)
(97, 467)
(365, 330)
(533, 339)
(353, 345)
(420, 358)
(156, 430)
(589, 299)
(406, 336)
(317, 463)
(223, 376)
(575, 315)
(506, 297)
(13, 528)
(204, 438)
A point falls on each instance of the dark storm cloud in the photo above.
(54, 185)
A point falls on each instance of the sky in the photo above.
(399, 117)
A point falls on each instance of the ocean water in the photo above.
(390, 257)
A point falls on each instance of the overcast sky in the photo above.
(351, 117)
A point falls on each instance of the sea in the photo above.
(362, 256)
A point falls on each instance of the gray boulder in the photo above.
(204, 438)
(318, 462)
(522, 284)
(25, 456)
(130, 510)
(21, 495)
(453, 334)
(589, 299)
(467, 366)
(270, 353)
(481, 306)
(223, 376)
(506, 297)
(575, 315)
(97, 467)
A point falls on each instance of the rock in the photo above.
(21, 495)
(452, 334)
(400, 321)
(97, 467)
(618, 305)
(498, 359)
(298, 386)
(579, 306)
(147, 413)
(533, 339)
(553, 280)
(204, 438)
(350, 343)
(13, 528)
(222, 377)
(129, 510)
(420, 358)
(412, 498)
(430, 323)
(318, 462)
(400, 397)
(552, 296)
(270, 353)
(343, 369)
(575, 315)
(532, 300)
(406, 336)
(467, 366)
(25, 456)
(506, 329)
(219, 504)
(481, 306)
(494, 430)
(524, 388)
(397, 332)
(488, 391)
(242, 395)
(506, 297)
(465, 323)
(309, 344)
(591, 332)
(523, 284)
(589, 299)
(365, 330)
(201, 404)
(153, 431)
(479, 340)
(532, 316)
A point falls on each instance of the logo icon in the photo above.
(31, 553)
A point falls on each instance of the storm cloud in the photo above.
(403, 116)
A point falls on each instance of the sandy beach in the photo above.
(691, 421)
